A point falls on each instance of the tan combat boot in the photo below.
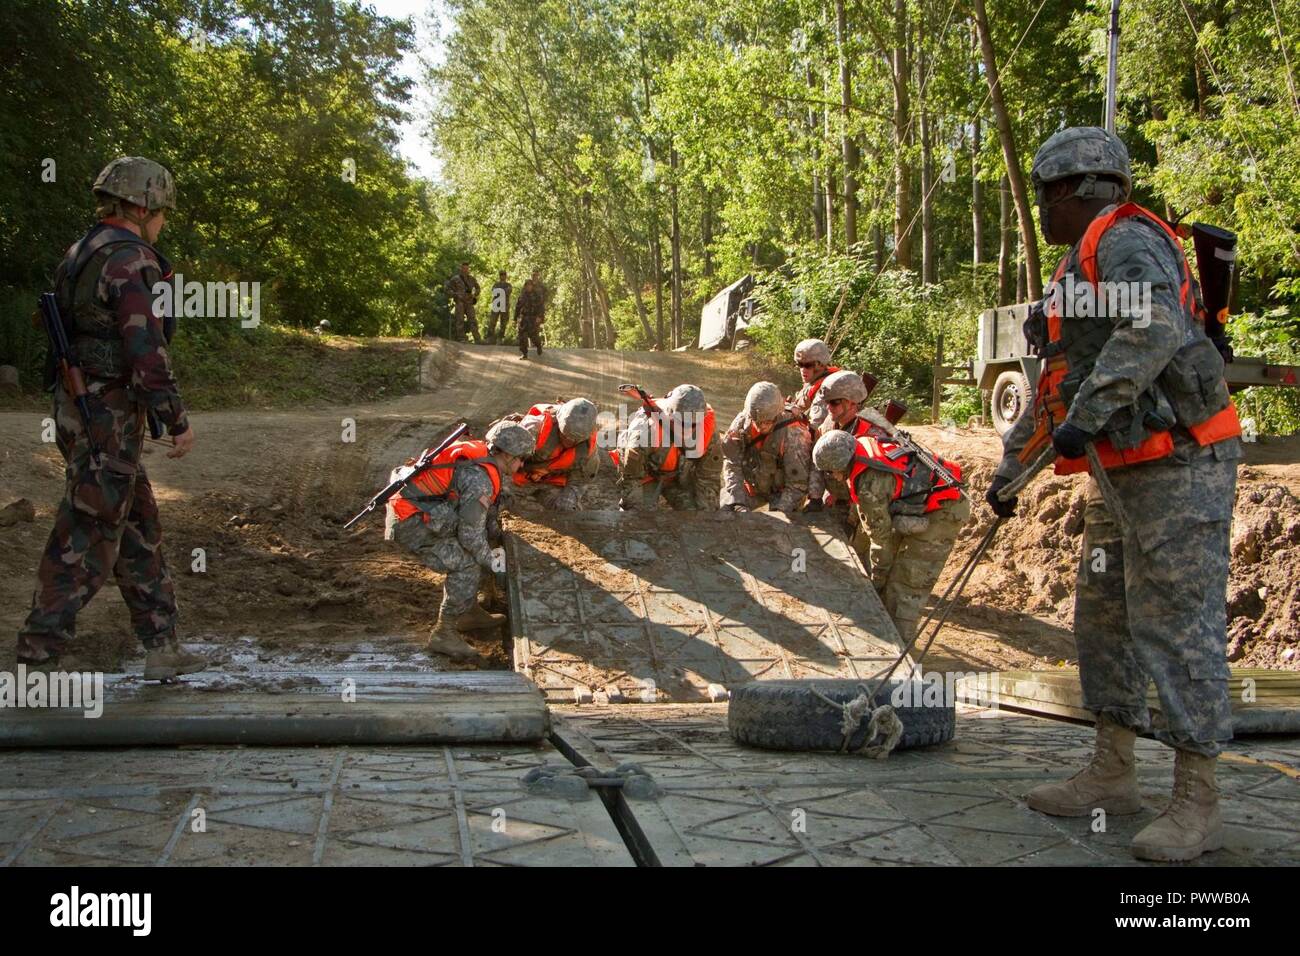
(477, 619)
(168, 662)
(1109, 782)
(1191, 824)
(444, 640)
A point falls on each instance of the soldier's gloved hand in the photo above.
(813, 506)
(1003, 509)
(1224, 346)
(1070, 441)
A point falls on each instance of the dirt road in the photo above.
(265, 495)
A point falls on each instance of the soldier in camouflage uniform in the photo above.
(767, 454)
(566, 458)
(448, 528)
(672, 453)
(463, 290)
(108, 520)
(1149, 604)
(843, 395)
(813, 357)
(529, 315)
(499, 310)
(903, 539)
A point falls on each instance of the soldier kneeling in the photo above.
(442, 515)
(907, 517)
(669, 451)
(565, 460)
(766, 454)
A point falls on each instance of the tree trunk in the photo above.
(706, 234)
(1006, 282)
(1028, 232)
(849, 149)
(818, 202)
(675, 241)
(902, 108)
(976, 187)
(830, 177)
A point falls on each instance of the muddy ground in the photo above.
(265, 495)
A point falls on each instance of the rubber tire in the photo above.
(786, 715)
(1006, 381)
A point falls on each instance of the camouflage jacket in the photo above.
(773, 467)
(1163, 346)
(113, 330)
(529, 306)
(463, 288)
(536, 464)
(467, 513)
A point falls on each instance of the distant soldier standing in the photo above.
(813, 357)
(767, 454)
(499, 310)
(463, 290)
(529, 315)
(542, 292)
(443, 514)
(108, 520)
(907, 516)
(672, 453)
(566, 459)
(1145, 387)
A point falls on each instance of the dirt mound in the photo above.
(1030, 567)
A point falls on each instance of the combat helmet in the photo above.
(813, 350)
(1087, 150)
(510, 438)
(685, 400)
(764, 402)
(834, 451)
(576, 419)
(139, 181)
(846, 385)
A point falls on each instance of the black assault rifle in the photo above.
(406, 473)
(66, 366)
(905, 442)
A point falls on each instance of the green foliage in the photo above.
(1271, 336)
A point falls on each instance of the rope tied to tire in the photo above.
(883, 723)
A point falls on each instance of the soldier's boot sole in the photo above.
(450, 645)
(1178, 854)
(168, 666)
(477, 619)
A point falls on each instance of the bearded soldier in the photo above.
(108, 520)
(1142, 384)
(767, 453)
(565, 460)
(443, 515)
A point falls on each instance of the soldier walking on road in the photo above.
(907, 517)
(107, 522)
(529, 315)
(670, 452)
(1145, 387)
(767, 454)
(443, 515)
(499, 310)
(463, 290)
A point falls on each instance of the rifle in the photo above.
(70, 372)
(647, 400)
(406, 473)
(906, 442)
(1216, 252)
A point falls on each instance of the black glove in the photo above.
(1225, 349)
(1069, 441)
(813, 505)
(1003, 509)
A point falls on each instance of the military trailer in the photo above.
(725, 317)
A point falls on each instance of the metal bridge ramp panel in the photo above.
(664, 606)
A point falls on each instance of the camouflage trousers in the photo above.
(107, 523)
(1154, 608)
(919, 559)
(530, 330)
(496, 327)
(444, 553)
(465, 320)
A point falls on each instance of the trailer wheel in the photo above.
(1011, 396)
(787, 715)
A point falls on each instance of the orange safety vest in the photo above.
(673, 457)
(1048, 401)
(434, 481)
(911, 477)
(756, 440)
(555, 470)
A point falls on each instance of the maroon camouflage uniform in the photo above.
(107, 522)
